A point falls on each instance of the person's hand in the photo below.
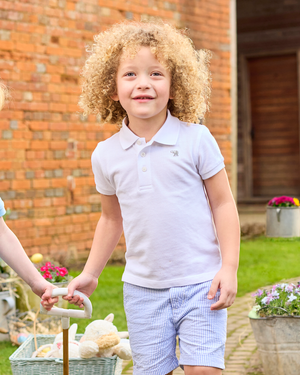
(226, 281)
(44, 290)
(84, 283)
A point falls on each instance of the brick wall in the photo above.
(46, 144)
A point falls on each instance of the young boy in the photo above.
(12, 252)
(162, 180)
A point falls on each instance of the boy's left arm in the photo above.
(228, 231)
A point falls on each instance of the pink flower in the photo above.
(44, 268)
(258, 293)
(284, 199)
(280, 200)
(47, 275)
(63, 271)
(48, 264)
(272, 201)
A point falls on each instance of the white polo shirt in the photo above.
(169, 233)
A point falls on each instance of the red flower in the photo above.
(63, 272)
(44, 268)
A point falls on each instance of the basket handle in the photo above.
(69, 313)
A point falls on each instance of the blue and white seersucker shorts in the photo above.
(155, 317)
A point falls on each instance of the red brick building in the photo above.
(45, 143)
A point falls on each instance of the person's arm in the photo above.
(228, 231)
(107, 235)
(12, 252)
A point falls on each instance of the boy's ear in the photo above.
(115, 97)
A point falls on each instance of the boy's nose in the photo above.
(143, 83)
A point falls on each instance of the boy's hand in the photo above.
(226, 281)
(44, 290)
(84, 283)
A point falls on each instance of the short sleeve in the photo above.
(2, 209)
(102, 182)
(210, 159)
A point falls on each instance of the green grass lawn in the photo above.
(263, 261)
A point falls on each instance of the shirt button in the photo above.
(139, 142)
(144, 169)
(143, 154)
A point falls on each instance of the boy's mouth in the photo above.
(143, 97)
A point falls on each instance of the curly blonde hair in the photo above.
(190, 76)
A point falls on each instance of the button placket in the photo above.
(144, 167)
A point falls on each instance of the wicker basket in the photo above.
(22, 363)
(20, 326)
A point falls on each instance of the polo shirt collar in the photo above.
(127, 137)
(167, 134)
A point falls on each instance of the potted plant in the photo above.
(275, 320)
(51, 272)
(283, 217)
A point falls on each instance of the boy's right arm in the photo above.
(107, 235)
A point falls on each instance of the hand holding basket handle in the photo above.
(65, 315)
(68, 313)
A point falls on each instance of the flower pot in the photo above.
(278, 341)
(29, 301)
(283, 222)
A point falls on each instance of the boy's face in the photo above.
(143, 86)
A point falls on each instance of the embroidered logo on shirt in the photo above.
(174, 152)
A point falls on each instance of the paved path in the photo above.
(241, 356)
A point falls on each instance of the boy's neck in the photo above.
(147, 128)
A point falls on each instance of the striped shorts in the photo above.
(155, 317)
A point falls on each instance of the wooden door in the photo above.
(274, 102)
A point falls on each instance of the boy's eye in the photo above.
(156, 74)
(130, 74)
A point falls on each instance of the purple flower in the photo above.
(275, 294)
(258, 293)
(289, 288)
(267, 300)
(283, 285)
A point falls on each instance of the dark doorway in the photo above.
(274, 111)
